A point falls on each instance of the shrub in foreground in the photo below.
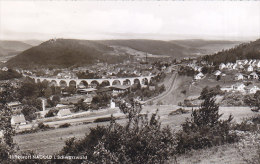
(140, 140)
(204, 128)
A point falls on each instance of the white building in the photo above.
(253, 75)
(4, 69)
(239, 76)
(15, 105)
(112, 104)
(258, 63)
(240, 87)
(222, 66)
(234, 66)
(254, 89)
(217, 73)
(18, 119)
(63, 112)
(250, 69)
(227, 89)
(199, 76)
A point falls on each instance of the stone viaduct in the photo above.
(110, 82)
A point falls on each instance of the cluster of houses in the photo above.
(66, 104)
(242, 88)
(247, 65)
(197, 68)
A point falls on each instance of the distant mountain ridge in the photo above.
(12, 47)
(33, 42)
(70, 52)
(156, 47)
(207, 46)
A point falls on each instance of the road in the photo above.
(168, 88)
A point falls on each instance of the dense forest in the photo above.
(243, 51)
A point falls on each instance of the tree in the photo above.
(253, 101)
(29, 112)
(218, 77)
(81, 106)
(6, 144)
(29, 89)
(48, 92)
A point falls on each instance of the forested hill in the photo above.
(207, 46)
(63, 53)
(156, 47)
(243, 51)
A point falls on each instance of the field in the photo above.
(51, 141)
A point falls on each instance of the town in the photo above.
(70, 93)
(129, 82)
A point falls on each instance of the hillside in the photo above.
(12, 47)
(243, 51)
(63, 53)
(206, 46)
(155, 47)
(33, 42)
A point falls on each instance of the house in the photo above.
(217, 73)
(254, 63)
(63, 112)
(112, 104)
(254, 89)
(239, 62)
(250, 68)
(258, 63)
(222, 66)
(88, 100)
(226, 89)
(240, 87)
(87, 91)
(199, 76)
(116, 89)
(250, 62)
(230, 66)
(15, 105)
(239, 76)
(197, 68)
(60, 106)
(18, 120)
(234, 66)
(4, 69)
(241, 67)
(253, 75)
(151, 88)
(1, 134)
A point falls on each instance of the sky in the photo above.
(97, 20)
